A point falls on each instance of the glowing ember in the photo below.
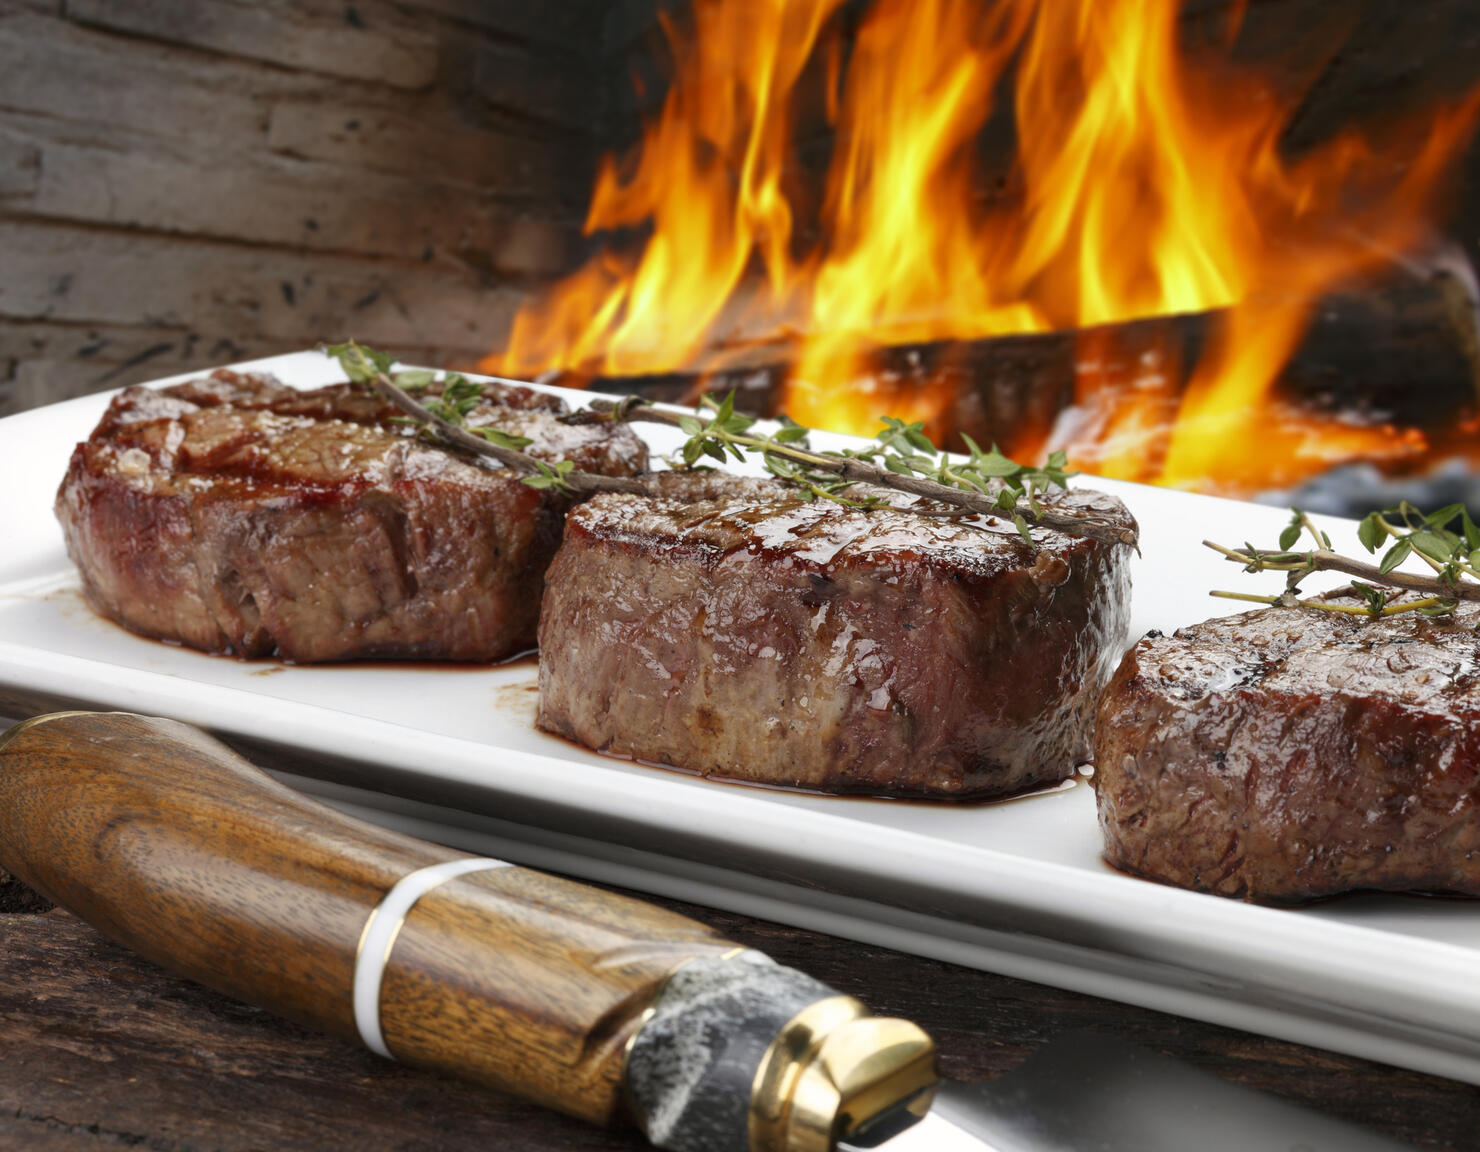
(1147, 182)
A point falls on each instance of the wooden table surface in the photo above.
(100, 1049)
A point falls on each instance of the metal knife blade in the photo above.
(1089, 1092)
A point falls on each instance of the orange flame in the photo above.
(1147, 183)
(708, 180)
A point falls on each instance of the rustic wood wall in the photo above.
(186, 182)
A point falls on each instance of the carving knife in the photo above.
(591, 1003)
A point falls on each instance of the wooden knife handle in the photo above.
(171, 844)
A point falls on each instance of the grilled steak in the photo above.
(733, 630)
(1293, 753)
(240, 516)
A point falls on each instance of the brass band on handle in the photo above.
(835, 1069)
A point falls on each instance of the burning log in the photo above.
(1405, 351)
(1190, 183)
(1000, 389)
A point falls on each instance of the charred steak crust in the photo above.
(237, 515)
(736, 631)
(1288, 754)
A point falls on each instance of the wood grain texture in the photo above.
(377, 44)
(170, 844)
(100, 1049)
(289, 170)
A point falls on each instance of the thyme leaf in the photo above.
(1448, 541)
(502, 439)
(443, 420)
(362, 365)
(551, 475)
(901, 457)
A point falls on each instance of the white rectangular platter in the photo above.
(1017, 888)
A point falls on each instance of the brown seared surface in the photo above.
(753, 636)
(239, 516)
(334, 401)
(1292, 753)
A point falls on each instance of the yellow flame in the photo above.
(708, 182)
(1147, 182)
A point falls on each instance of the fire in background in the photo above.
(1149, 180)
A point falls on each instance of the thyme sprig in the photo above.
(1448, 541)
(454, 404)
(443, 420)
(901, 457)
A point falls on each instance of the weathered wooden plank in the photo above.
(508, 76)
(59, 273)
(571, 26)
(51, 362)
(279, 200)
(20, 166)
(95, 1041)
(531, 166)
(161, 350)
(47, 1134)
(367, 40)
(166, 351)
(116, 151)
(62, 71)
(42, 363)
(47, 381)
(220, 105)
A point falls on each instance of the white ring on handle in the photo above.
(379, 936)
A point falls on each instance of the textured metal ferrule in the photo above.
(739, 1054)
(691, 1065)
(835, 1072)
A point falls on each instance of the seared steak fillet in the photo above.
(240, 516)
(1292, 753)
(736, 631)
